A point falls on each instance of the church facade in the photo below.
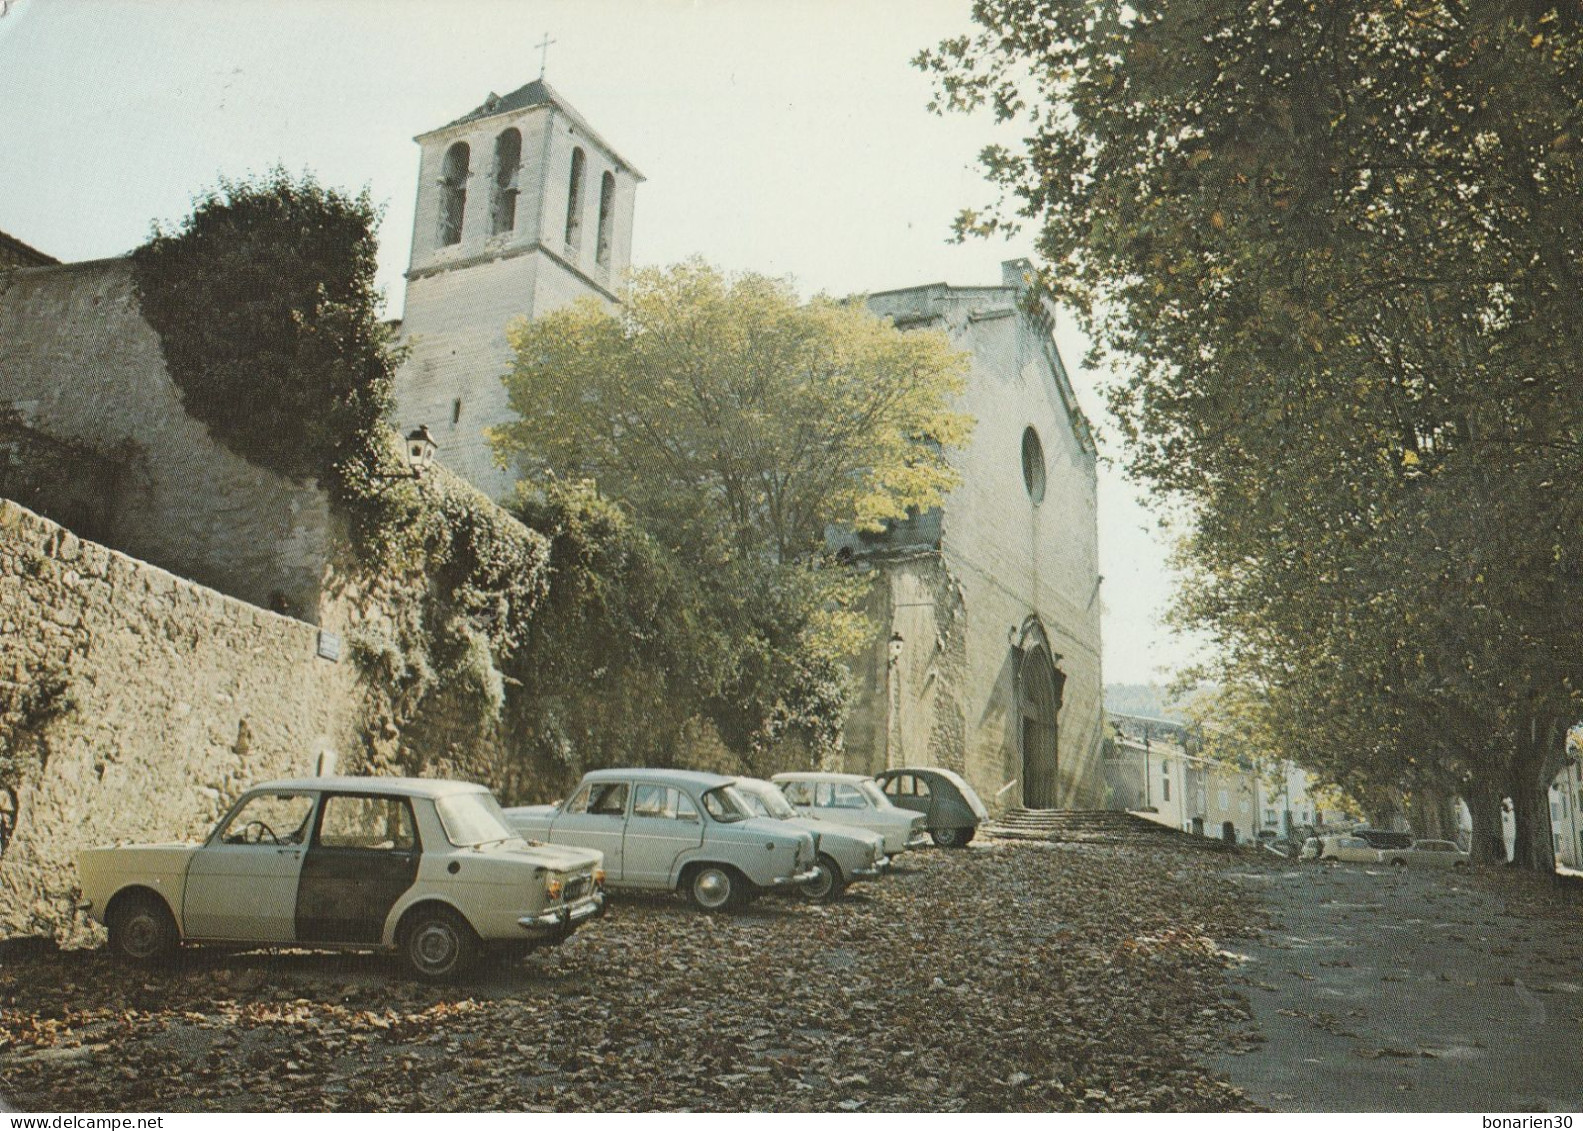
(988, 658)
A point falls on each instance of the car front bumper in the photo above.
(878, 868)
(918, 839)
(562, 921)
(793, 881)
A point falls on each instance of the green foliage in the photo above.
(736, 425)
(265, 305)
(723, 410)
(637, 656)
(618, 658)
(1331, 246)
(480, 574)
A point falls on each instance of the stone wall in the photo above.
(78, 363)
(166, 700)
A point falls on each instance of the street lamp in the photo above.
(420, 448)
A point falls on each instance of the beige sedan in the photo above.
(1427, 854)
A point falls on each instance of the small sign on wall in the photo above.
(329, 646)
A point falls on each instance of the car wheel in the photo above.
(1398, 862)
(142, 929)
(828, 884)
(951, 838)
(438, 945)
(714, 887)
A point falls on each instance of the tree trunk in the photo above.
(1487, 844)
(1540, 749)
(1431, 815)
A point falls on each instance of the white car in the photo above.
(426, 868)
(852, 799)
(846, 852)
(675, 830)
(1427, 854)
(1348, 849)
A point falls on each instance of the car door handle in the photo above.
(288, 851)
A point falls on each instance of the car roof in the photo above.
(820, 775)
(409, 787)
(951, 776)
(700, 779)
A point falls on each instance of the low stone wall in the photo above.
(136, 705)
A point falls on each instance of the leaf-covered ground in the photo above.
(1007, 977)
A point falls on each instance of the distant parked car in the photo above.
(426, 868)
(846, 853)
(1427, 854)
(1383, 838)
(852, 799)
(1347, 849)
(953, 810)
(675, 830)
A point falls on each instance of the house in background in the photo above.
(1150, 770)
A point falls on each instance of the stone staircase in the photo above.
(1093, 826)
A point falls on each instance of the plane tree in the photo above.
(1333, 248)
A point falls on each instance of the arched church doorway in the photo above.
(1039, 690)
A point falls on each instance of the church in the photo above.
(987, 658)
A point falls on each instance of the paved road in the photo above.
(1386, 989)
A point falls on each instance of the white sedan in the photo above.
(852, 799)
(1427, 854)
(1347, 849)
(429, 869)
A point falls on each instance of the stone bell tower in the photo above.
(522, 207)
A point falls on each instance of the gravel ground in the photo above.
(1006, 977)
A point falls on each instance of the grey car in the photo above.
(675, 830)
(846, 853)
(952, 808)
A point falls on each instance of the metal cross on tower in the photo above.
(544, 53)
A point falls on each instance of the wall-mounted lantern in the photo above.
(896, 642)
(420, 449)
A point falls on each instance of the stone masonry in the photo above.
(174, 699)
(78, 363)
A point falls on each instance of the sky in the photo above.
(787, 137)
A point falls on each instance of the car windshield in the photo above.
(874, 793)
(766, 800)
(472, 819)
(725, 804)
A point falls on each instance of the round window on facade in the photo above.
(1033, 465)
